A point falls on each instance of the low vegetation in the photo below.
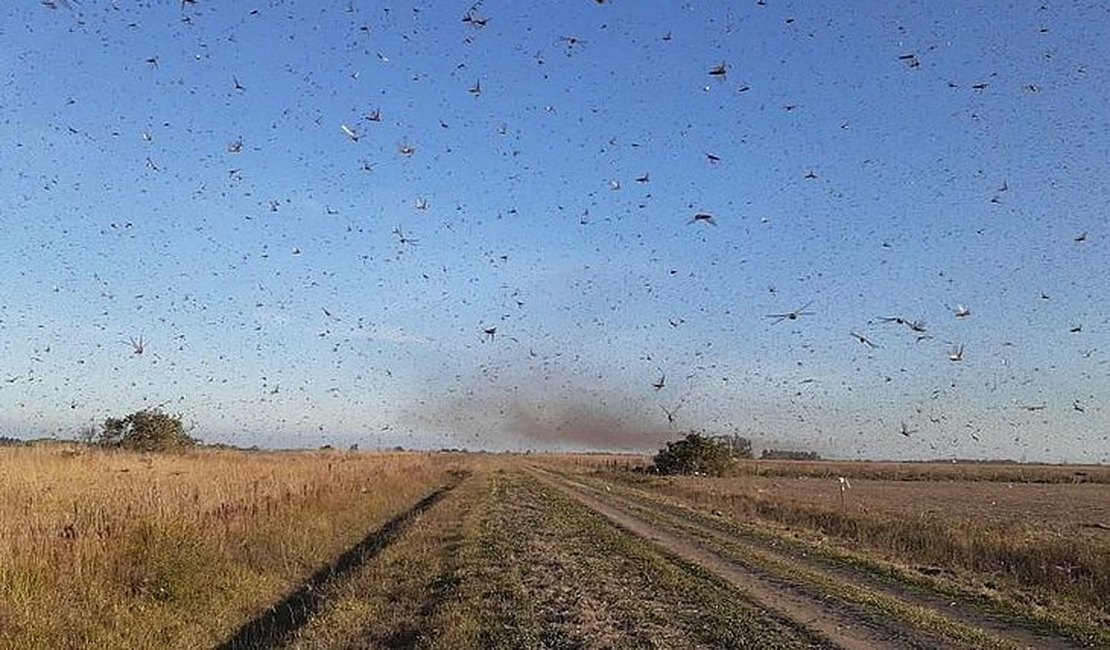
(118, 549)
(998, 472)
(109, 547)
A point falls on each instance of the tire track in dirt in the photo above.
(395, 600)
(840, 622)
(585, 582)
(280, 621)
(960, 610)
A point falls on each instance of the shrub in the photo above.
(694, 454)
(146, 430)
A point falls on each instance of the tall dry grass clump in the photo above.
(119, 549)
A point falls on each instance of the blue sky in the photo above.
(182, 174)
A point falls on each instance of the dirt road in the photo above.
(847, 605)
(526, 557)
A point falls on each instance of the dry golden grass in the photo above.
(112, 549)
(591, 460)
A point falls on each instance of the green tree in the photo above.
(695, 454)
(146, 430)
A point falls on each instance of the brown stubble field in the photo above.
(1067, 509)
(211, 548)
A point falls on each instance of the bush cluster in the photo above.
(146, 430)
(695, 454)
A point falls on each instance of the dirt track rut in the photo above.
(831, 624)
(271, 627)
(848, 624)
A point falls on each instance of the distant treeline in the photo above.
(10, 442)
(783, 454)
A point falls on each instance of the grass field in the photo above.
(365, 550)
(121, 550)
